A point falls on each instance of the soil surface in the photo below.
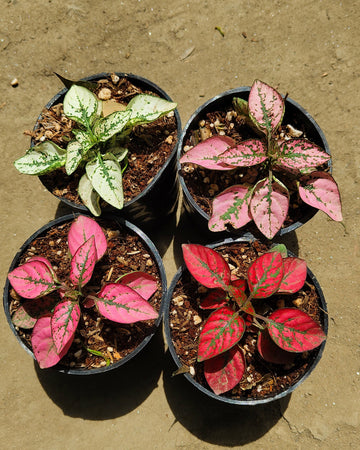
(194, 51)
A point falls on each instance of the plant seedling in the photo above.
(99, 148)
(283, 165)
(53, 306)
(283, 333)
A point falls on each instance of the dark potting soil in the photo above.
(204, 184)
(261, 379)
(126, 253)
(149, 147)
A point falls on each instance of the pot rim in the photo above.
(310, 211)
(152, 249)
(250, 402)
(152, 86)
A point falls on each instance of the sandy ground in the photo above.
(309, 49)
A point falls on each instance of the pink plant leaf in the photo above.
(206, 266)
(122, 304)
(64, 322)
(269, 206)
(45, 261)
(298, 154)
(88, 302)
(43, 345)
(28, 313)
(207, 153)
(81, 230)
(231, 207)
(222, 330)
(33, 279)
(247, 153)
(295, 272)
(294, 330)
(83, 263)
(266, 106)
(271, 352)
(225, 371)
(143, 283)
(215, 299)
(265, 275)
(320, 190)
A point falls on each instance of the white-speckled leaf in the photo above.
(89, 196)
(105, 128)
(42, 158)
(81, 105)
(146, 108)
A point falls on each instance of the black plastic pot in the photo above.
(152, 251)
(160, 197)
(315, 354)
(294, 114)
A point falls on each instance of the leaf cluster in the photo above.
(284, 161)
(53, 307)
(283, 333)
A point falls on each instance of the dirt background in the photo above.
(309, 49)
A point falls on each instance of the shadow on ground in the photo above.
(215, 422)
(109, 395)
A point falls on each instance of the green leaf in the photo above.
(105, 128)
(42, 158)
(89, 196)
(81, 105)
(106, 177)
(146, 108)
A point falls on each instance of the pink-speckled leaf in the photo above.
(269, 206)
(122, 304)
(143, 283)
(265, 275)
(207, 266)
(45, 261)
(83, 263)
(206, 154)
(215, 299)
(43, 345)
(222, 330)
(225, 371)
(294, 331)
(266, 106)
(33, 279)
(28, 313)
(294, 275)
(247, 153)
(237, 291)
(320, 190)
(81, 230)
(297, 154)
(231, 207)
(272, 352)
(64, 322)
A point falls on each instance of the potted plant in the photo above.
(85, 295)
(246, 324)
(108, 140)
(252, 155)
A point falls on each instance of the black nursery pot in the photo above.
(151, 249)
(226, 398)
(160, 197)
(295, 114)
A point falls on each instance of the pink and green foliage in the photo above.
(283, 333)
(267, 201)
(55, 318)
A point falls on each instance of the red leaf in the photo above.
(222, 330)
(269, 206)
(206, 266)
(237, 291)
(225, 371)
(272, 352)
(294, 275)
(81, 230)
(143, 283)
(83, 263)
(215, 299)
(294, 331)
(320, 190)
(247, 153)
(265, 275)
(206, 154)
(64, 322)
(28, 313)
(266, 106)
